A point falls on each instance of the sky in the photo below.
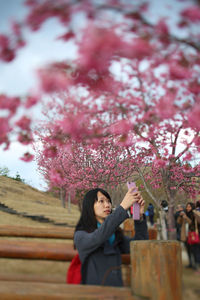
(19, 76)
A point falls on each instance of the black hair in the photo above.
(198, 203)
(164, 203)
(87, 219)
(190, 214)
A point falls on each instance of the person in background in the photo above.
(197, 216)
(179, 209)
(150, 209)
(163, 220)
(99, 239)
(188, 217)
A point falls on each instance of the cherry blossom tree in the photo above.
(140, 85)
(78, 168)
(157, 152)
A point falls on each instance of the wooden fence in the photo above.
(155, 269)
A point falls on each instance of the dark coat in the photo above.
(101, 261)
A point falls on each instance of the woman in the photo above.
(188, 217)
(100, 241)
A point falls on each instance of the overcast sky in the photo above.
(18, 77)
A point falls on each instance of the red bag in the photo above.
(74, 271)
(193, 238)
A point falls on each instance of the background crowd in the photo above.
(187, 224)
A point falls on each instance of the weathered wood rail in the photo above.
(41, 250)
(36, 232)
(51, 291)
(58, 233)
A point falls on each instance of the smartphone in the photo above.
(136, 206)
(131, 184)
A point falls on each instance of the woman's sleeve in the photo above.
(179, 220)
(86, 242)
(188, 220)
(141, 233)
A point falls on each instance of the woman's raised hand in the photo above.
(132, 197)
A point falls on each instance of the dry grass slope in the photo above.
(25, 199)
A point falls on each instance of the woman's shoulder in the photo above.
(79, 232)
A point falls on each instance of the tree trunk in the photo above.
(171, 220)
(62, 197)
(69, 203)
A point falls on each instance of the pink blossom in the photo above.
(25, 139)
(194, 117)
(67, 36)
(42, 11)
(162, 28)
(197, 141)
(7, 54)
(27, 157)
(4, 41)
(121, 127)
(100, 45)
(9, 103)
(97, 45)
(31, 2)
(160, 163)
(20, 44)
(172, 188)
(31, 101)
(16, 27)
(56, 177)
(165, 108)
(194, 87)
(24, 123)
(178, 72)
(107, 171)
(139, 49)
(53, 80)
(188, 156)
(144, 7)
(191, 13)
(4, 129)
(75, 126)
(38, 15)
(50, 152)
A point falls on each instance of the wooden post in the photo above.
(129, 227)
(156, 269)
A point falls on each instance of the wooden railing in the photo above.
(59, 233)
(41, 250)
(35, 232)
(155, 270)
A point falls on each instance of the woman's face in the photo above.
(188, 207)
(102, 207)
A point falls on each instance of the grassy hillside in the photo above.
(27, 200)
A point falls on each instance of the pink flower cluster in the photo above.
(191, 13)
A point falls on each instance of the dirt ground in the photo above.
(191, 280)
